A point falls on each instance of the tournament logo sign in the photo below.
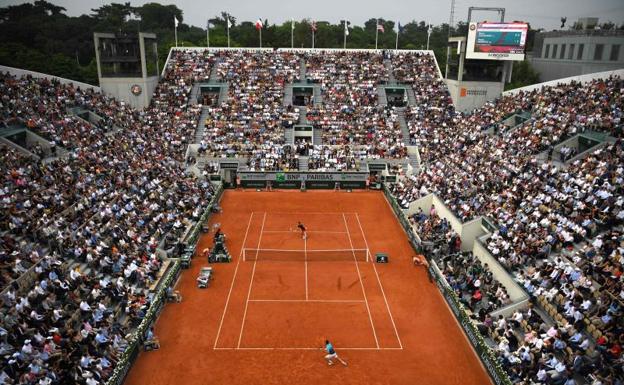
(280, 177)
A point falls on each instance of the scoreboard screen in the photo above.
(496, 41)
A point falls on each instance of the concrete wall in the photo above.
(119, 88)
(20, 72)
(470, 231)
(473, 234)
(470, 95)
(515, 291)
(579, 78)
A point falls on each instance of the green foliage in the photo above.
(43, 38)
(522, 75)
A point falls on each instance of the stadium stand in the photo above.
(553, 219)
(81, 232)
(85, 233)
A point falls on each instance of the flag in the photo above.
(313, 26)
(401, 28)
(380, 28)
(292, 24)
(229, 22)
(346, 29)
(259, 24)
(175, 22)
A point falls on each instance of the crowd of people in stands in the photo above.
(479, 165)
(251, 121)
(81, 230)
(350, 113)
(80, 233)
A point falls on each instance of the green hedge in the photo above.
(487, 357)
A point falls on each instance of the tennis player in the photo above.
(304, 233)
(331, 353)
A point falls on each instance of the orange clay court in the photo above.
(265, 316)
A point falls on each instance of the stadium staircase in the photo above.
(318, 96)
(214, 77)
(382, 100)
(391, 78)
(302, 71)
(414, 160)
(303, 116)
(411, 97)
(194, 94)
(223, 95)
(403, 125)
(317, 136)
(303, 163)
(201, 125)
(289, 136)
(288, 95)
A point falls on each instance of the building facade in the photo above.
(561, 54)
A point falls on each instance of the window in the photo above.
(546, 51)
(615, 52)
(562, 53)
(579, 55)
(554, 55)
(571, 52)
(598, 51)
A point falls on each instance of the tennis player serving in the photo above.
(304, 233)
(331, 354)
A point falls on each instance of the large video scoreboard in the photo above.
(496, 41)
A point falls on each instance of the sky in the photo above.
(539, 13)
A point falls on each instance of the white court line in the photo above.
(304, 213)
(380, 285)
(305, 257)
(310, 300)
(302, 348)
(308, 231)
(361, 283)
(227, 301)
(253, 272)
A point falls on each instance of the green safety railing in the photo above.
(193, 236)
(486, 355)
(398, 211)
(160, 297)
(136, 339)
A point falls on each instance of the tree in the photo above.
(115, 13)
(522, 75)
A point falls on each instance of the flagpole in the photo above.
(344, 43)
(208, 34)
(312, 39)
(292, 34)
(428, 36)
(227, 23)
(396, 43)
(175, 32)
(376, 31)
(260, 37)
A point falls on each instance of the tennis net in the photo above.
(335, 255)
